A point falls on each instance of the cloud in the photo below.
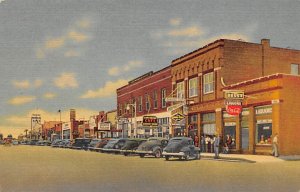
(108, 90)
(186, 32)
(72, 53)
(175, 21)
(40, 53)
(115, 71)
(55, 43)
(25, 84)
(66, 80)
(21, 84)
(20, 100)
(77, 36)
(84, 23)
(49, 95)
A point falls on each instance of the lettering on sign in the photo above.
(263, 110)
(150, 121)
(178, 117)
(234, 94)
(234, 109)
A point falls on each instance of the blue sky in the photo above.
(63, 54)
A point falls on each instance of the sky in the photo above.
(74, 54)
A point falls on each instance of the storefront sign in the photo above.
(173, 107)
(263, 110)
(103, 126)
(234, 94)
(150, 121)
(174, 99)
(230, 124)
(178, 117)
(233, 109)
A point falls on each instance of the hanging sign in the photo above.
(150, 121)
(233, 109)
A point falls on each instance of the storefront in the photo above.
(229, 134)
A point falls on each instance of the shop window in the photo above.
(229, 135)
(294, 69)
(163, 98)
(180, 90)
(193, 87)
(147, 99)
(263, 133)
(208, 82)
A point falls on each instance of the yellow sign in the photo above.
(178, 117)
(234, 94)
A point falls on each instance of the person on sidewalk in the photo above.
(275, 145)
(216, 145)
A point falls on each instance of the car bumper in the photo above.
(144, 152)
(110, 150)
(180, 154)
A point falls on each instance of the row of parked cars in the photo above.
(179, 147)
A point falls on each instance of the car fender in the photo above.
(185, 149)
(156, 148)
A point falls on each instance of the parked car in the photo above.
(15, 142)
(81, 143)
(131, 145)
(64, 143)
(101, 144)
(153, 146)
(56, 143)
(113, 146)
(181, 147)
(93, 143)
(33, 142)
(43, 143)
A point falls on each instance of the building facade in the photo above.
(202, 76)
(145, 96)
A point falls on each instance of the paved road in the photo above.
(33, 168)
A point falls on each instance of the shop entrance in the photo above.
(245, 139)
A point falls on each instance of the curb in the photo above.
(227, 158)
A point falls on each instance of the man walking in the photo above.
(216, 146)
(275, 145)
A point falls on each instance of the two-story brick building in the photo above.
(145, 96)
(201, 77)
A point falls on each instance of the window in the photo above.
(180, 90)
(155, 104)
(140, 100)
(120, 109)
(193, 87)
(208, 123)
(163, 98)
(294, 69)
(147, 99)
(208, 81)
(125, 108)
(263, 133)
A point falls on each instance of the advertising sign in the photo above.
(173, 99)
(150, 121)
(104, 126)
(178, 117)
(173, 107)
(233, 109)
(234, 94)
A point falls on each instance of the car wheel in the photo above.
(167, 158)
(187, 156)
(142, 155)
(157, 153)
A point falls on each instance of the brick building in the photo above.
(145, 96)
(51, 130)
(200, 77)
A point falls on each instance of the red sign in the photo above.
(150, 121)
(233, 109)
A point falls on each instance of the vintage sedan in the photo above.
(153, 146)
(181, 147)
(101, 144)
(131, 145)
(81, 143)
(93, 143)
(113, 146)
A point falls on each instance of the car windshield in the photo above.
(112, 142)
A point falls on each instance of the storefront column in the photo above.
(252, 129)
(275, 116)
(219, 122)
(199, 131)
(238, 133)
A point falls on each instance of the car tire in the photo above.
(167, 158)
(157, 153)
(187, 156)
(142, 155)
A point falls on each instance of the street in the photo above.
(35, 168)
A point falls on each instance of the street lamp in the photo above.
(128, 108)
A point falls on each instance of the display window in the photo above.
(263, 133)
(230, 135)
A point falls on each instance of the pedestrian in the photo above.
(196, 141)
(275, 145)
(216, 145)
(202, 144)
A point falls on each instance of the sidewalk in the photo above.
(247, 158)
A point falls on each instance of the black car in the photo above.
(153, 146)
(181, 147)
(81, 143)
(56, 143)
(114, 146)
(93, 144)
(131, 145)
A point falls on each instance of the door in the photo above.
(245, 138)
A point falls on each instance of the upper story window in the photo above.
(193, 87)
(208, 82)
(294, 69)
(155, 102)
(120, 109)
(140, 100)
(163, 98)
(180, 90)
(147, 99)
